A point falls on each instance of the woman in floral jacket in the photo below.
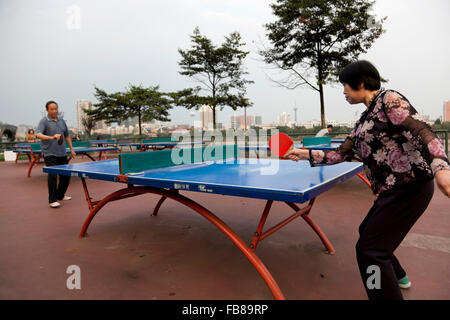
(401, 155)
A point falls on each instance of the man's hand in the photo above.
(443, 181)
(56, 136)
(73, 153)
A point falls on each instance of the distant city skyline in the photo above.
(44, 57)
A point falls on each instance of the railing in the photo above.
(442, 134)
(299, 136)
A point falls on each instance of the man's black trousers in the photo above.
(56, 191)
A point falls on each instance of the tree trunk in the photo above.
(214, 117)
(320, 78)
(139, 119)
(214, 106)
(322, 106)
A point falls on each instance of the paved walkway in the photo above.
(179, 255)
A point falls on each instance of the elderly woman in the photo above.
(31, 137)
(401, 155)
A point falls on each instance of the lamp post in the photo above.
(245, 114)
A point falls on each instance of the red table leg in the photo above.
(360, 175)
(299, 212)
(238, 242)
(315, 227)
(102, 155)
(32, 163)
(260, 227)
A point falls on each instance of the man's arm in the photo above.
(69, 142)
(41, 129)
(45, 137)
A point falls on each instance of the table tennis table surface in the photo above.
(269, 179)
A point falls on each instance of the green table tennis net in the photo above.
(141, 161)
(78, 144)
(313, 141)
(35, 146)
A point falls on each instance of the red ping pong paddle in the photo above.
(280, 144)
(61, 140)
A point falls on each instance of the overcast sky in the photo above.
(42, 56)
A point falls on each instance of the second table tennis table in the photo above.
(158, 146)
(266, 150)
(35, 155)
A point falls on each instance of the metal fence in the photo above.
(443, 135)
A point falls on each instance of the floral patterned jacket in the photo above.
(396, 146)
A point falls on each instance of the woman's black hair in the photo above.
(361, 72)
(49, 103)
(29, 130)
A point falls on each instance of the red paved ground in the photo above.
(179, 255)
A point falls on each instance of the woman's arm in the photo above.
(443, 181)
(343, 153)
(420, 135)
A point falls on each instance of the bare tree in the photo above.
(88, 123)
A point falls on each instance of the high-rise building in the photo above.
(250, 121)
(100, 125)
(238, 122)
(284, 119)
(81, 105)
(235, 122)
(206, 117)
(446, 111)
(130, 122)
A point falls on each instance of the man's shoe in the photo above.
(404, 283)
(67, 198)
(55, 204)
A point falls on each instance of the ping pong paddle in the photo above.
(280, 144)
(61, 140)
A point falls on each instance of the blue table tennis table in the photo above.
(35, 155)
(228, 176)
(103, 143)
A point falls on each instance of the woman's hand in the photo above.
(443, 181)
(297, 154)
